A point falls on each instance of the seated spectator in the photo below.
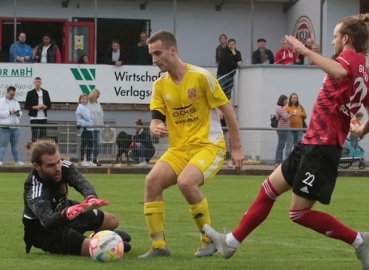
(314, 48)
(356, 121)
(114, 55)
(84, 122)
(123, 143)
(285, 55)
(141, 54)
(20, 51)
(83, 59)
(47, 51)
(143, 148)
(262, 55)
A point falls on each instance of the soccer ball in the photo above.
(106, 246)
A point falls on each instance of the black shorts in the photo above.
(66, 239)
(311, 170)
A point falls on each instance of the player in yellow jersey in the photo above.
(185, 98)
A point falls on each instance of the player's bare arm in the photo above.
(329, 66)
(233, 129)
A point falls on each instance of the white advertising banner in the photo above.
(65, 82)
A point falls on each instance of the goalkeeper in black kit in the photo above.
(51, 221)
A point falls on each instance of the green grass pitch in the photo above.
(276, 244)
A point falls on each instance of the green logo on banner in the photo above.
(86, 78)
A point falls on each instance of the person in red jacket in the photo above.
(285, 55)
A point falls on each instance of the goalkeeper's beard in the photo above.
(56, 177)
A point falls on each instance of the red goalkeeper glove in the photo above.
(73, 211)
(94, 203)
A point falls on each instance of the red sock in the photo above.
(257, 212)
(323, 223)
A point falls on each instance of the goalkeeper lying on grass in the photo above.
(51, 221)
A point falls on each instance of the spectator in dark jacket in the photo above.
(144, 149)
(114, 55)
(47, 51)
(141, 54)
(38, 103)
(230, 59)
(262, 55)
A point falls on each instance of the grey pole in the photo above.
(252, 27)
(15, 30)
(95, 35)
(174, 16)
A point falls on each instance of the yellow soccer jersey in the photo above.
(189, 107)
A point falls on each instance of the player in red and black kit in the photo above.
(311, 169)
(51, 221)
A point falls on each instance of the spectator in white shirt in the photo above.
(98, 120)
(84, 122)
(10, 112)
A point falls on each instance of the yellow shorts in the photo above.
(209, 159)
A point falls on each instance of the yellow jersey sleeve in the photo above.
(157, 101)
(214, 93)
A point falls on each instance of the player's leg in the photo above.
(163, 175)
(204, 164)
(277, 183)
(315, 181)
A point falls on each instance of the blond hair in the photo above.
(92, 97)
(39, 148)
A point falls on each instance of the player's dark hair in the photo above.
(290, 102)
(231, 40)
(39, 148)
(356, 28)
(281, 100)
(38, 78)
(166, 37)
(359, 114)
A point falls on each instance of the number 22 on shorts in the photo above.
(309, 180)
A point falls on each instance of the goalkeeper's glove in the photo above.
(95, 201)
(74, 210)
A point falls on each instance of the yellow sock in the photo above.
(154, 216)
(200, 213)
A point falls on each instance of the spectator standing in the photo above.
(222, 44)
(84, 122)
(19, 51)
(262, 55)
(283, 119)
(230, 59)
(141, 54)
(10, 112)
(47, 51)
(298, 115)
(97, 112)
(38, 103)
(114, 55)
